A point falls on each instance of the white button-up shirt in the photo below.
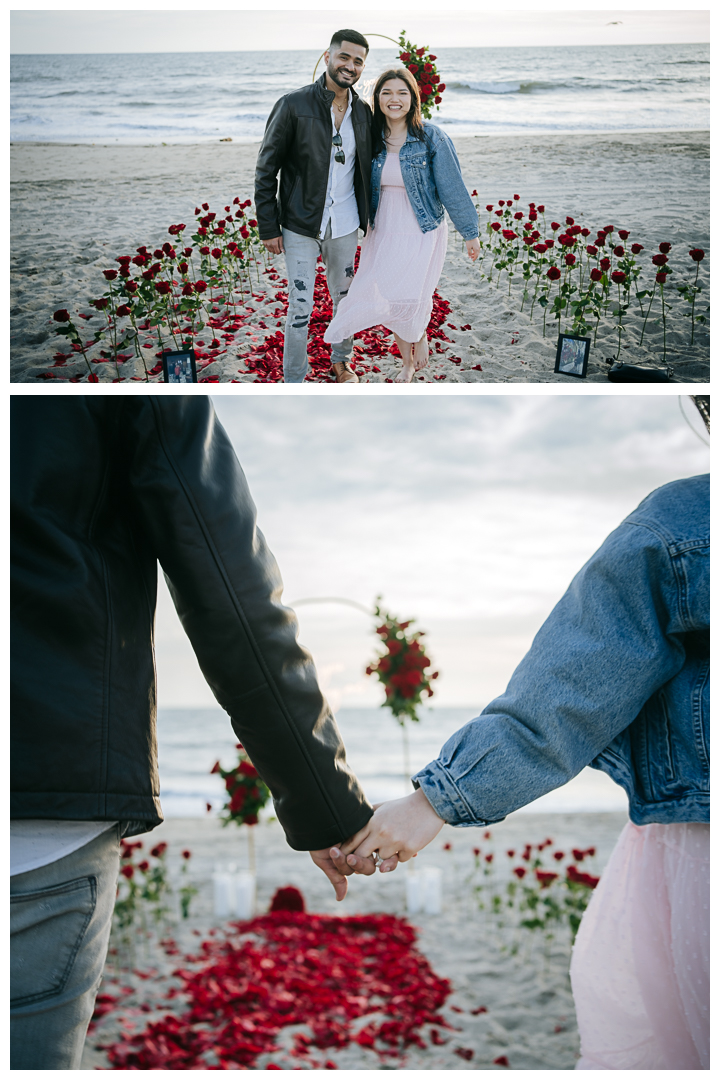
(341, 210)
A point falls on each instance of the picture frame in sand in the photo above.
(179, 367)
(572, 355)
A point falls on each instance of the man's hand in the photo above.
(473, 248)
(334, 865)
(275, 246)
(398, 828)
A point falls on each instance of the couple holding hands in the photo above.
(346, 166)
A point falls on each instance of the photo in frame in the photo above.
(572, 355)
(179, 367)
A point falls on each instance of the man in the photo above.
(102, 488)
(319, 139)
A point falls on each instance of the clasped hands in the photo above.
(395, 833)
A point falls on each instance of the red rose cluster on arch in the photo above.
(421, 63)
(247, 794)
(403, 668)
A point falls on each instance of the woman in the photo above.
(617, 678)
(415, 178)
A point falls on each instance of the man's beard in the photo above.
(341, 79)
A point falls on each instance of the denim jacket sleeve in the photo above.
(611, 642)
(451, 186)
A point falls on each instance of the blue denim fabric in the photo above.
(433, 180)
(60, 917)
(616, 678)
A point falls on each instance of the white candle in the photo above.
(414, 891)
(432, 892)
(244, 883)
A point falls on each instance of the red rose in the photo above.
(540, 248)
(623, 234)
(600, 239)
(252, 223)
(665, 248)
(187, 252)
(519, 872)
(636, 249)
(183, 267)
(661, 277)
(110, 274)
(244, 233)
(569, 260)
(420, 52)
(100, 304)
(501, 202)
(205, 206)
(414, 68)
(609, 228)
(619, 251)
(605, 263)
(187, 289)
(532, 215)
(124, 272)
(163, 287)
(403, 56)
(569, 221)
(123, 310)
(204, 250)
(618, 277)
(558, 855)
(516, 197)
(127, 871)
(697, 254)
(545, 878)
(591, 249)
(131, 286)
(441, 87)
(518, 216)
(509, 234)
(585, 232)
(144, 866)
(438, 99)
(541, 209)
(659, 260)
(61, 315)
(498, 213)
(158, 253)
(554, 225)
(550, 242)
(202, 232)
(595, 275)
(554, 273)
(251, 819)
(431, 57)
(216, 253)
(427, 67)
(495, 225)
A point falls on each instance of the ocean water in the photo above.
(201, 97)
(191, 740)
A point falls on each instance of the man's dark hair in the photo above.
(349, 35)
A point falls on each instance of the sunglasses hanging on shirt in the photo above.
(340, 155)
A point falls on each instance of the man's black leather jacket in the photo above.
(297, 142)
(102, 488)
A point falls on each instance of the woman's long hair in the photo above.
(413, 118)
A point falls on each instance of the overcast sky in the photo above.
(471, 514)
(185, 29)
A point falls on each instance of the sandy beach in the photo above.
(529, 1017)
(75, 208)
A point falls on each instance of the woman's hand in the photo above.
(473, 248)
(400, 827)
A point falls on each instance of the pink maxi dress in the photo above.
(640, 965)
(399, 269)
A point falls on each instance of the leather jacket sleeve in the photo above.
(194, 504)
(278, 137)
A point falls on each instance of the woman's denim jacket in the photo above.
(617, 678)
(432, 178)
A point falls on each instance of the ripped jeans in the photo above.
(301, 252)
